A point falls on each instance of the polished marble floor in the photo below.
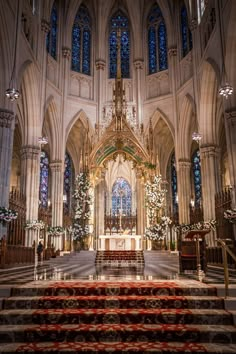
(158, 265)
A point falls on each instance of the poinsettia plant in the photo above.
(158, 231)
(83, 200)
(154, 197)
(7, 215)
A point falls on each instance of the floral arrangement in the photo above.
(201, 225)
(35, 225)
(158, 231)
(230, 215)
(83, 201)
(7, 215)
(55, 230)
(155, 197)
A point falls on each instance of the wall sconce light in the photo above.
(64, 198)
(42, 140)
(196, 137)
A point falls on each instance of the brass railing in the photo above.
(226, 250)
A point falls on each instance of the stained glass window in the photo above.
(44, 177)
(196, 168)
(174, 184)
(186, 35)
(157, 41)
(81, 41)
(119, 21)
(51, 39)
(121, 197)
(67, 180)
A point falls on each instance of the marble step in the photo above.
(113, 302)
(118, 347)
(115, 316)
(118, 332)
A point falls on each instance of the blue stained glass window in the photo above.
(174, 184)
(162, 46)
(43, 183)
(196, 167)
(119, 21)
(121, 197)
(186, 34)
(81, 42)
(157, 41)
(67, 180)
(51, 39)
(152, 50)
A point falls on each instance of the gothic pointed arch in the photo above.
(187, 125)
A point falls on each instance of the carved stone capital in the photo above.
(30, 152)
(45, 26)
(6, 118)
(100, 64)
(208, 151)
(172, 52)
(138, 64)
(184, 164)
(56, 166)
(66, 52)
(231, 118)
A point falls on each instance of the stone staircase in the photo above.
(116, 317)
(120, 258)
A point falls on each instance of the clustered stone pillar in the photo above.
(210, 172)
(140, 209)
(6, 142)
(57, 198)
(230, 119)
(100, 66)
(184, 190)
(30, 167)
(139, 67)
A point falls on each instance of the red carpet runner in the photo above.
(116, 317)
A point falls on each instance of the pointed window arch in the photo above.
(119, 21)
(44, 179)
(121, 197)
(81, 42)
(51, 39)
(174, 183)
(157, 41)
(197, 180)
(186, 35)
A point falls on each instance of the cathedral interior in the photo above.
(102, 101)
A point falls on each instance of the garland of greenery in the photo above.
(230, 215)
(55, 230)
(35, 225)
(7, 215)
(82, 206)
(201, 225)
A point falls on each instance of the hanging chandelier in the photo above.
(196, 137)
(12, 93)
(226, 90)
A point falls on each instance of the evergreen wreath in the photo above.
(83, 201)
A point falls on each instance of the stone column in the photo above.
(140, 209)
(230, 127)
(138, 64)
(100, 66)
(30, 168)
(210, 173)
(184, 190)
(57, 197)
(6, 142)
